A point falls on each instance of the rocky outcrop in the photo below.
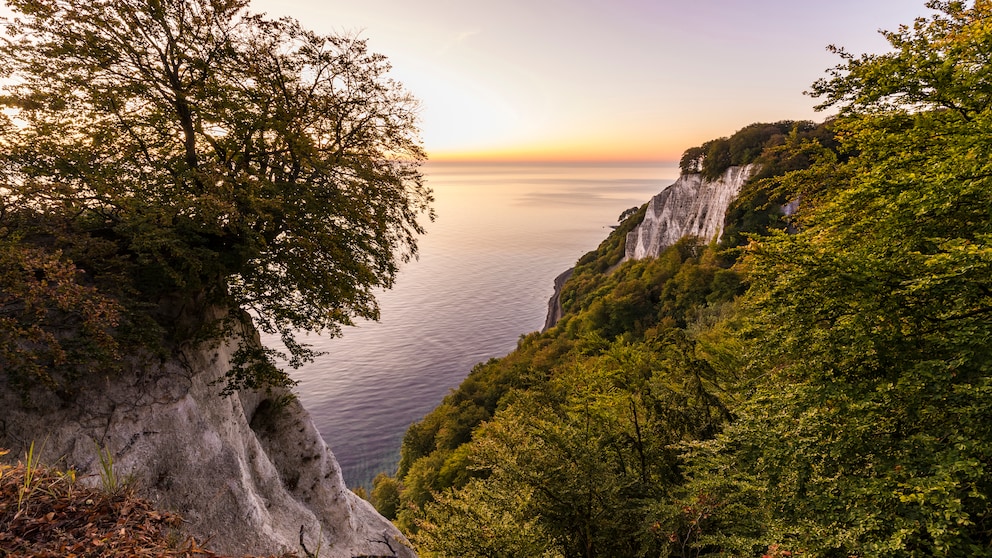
(692, 206)
(247, 472)
(554, 303)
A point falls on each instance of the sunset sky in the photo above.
(601, 79)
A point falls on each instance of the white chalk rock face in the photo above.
(692, 206)
(247, 472)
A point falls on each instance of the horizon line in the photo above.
(551, 160)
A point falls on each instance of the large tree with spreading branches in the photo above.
(159, 157)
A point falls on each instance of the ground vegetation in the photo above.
(817, 384)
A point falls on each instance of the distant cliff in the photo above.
(554, 304)
(692, 206)
(247, 472)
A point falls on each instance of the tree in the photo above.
(627, 213)
(692, 160)
(579, 465)
(385, 495)
(869, 335)
(940, 63)
(215, 157)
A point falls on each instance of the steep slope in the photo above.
(555, 310)
(248, 472)
(569, 444)
(692, 206)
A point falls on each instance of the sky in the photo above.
(600, 80)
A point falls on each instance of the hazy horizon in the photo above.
(590, 80)
(634, 80)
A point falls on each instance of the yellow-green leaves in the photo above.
(872, 324)
(215, 157)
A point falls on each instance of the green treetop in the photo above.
(869, 335)
(188, 149)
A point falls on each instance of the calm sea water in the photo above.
(485, 273)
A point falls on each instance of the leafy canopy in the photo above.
(839, 408)
(867, 430)
(714, 157)
(188, 150)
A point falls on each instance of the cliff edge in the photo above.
(692, 206)
(554, 303)
(247, 472)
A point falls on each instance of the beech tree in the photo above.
(871, 338)
(581, 465)
(187, 150)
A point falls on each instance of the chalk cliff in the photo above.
(692, 206)
(554, 303)
(247, 472)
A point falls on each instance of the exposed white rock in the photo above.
(554, 303)
(692, 206)
(245, 471)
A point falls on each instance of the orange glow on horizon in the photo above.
(555, 155)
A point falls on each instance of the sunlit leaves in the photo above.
(940, 62)
(870, 326)
(232, 160)
(579, 465)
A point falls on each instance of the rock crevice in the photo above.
(247, 472)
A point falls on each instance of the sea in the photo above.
(483, 278)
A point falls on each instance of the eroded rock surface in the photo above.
(247, 471)
(554, 303)
(692, 206)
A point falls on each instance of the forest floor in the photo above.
(45, 513)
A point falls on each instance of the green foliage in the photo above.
(385, 495)
(622, 349)
(179, 155)
(692, 160)
(936, 64)
(839, 408)
(778, 150)
(868, 330)
(483, 520)
(891, 469)
(714, 157)
(759, 207)
(573, 467)
(627, 213)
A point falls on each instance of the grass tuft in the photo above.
(45, 514)
(109, 481)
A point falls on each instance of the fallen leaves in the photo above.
(63, 520)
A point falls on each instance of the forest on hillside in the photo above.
(815, 384)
